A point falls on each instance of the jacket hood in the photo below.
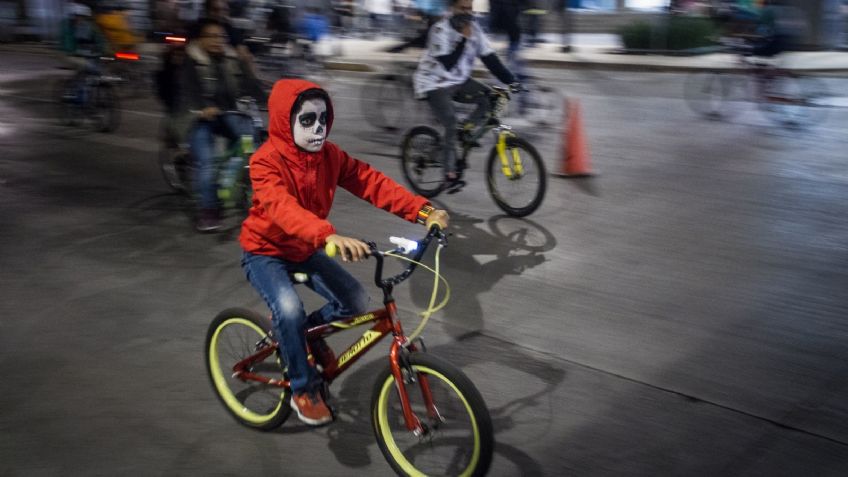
(283, 97)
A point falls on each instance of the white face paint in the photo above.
(310, 125)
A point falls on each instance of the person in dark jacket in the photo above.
(294, 176)
(213, 78)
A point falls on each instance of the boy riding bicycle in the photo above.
(444, 74)
(294, 176)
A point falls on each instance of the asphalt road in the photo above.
(683, 312)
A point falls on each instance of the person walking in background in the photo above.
(504, 17)
(481, 11)
(533, 12)
(379, 14)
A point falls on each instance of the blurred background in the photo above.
(676, 305)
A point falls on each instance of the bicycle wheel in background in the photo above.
(66, 101)
(387, 101)
(422, 161)
(541, 105)
(794, 101)
(234, 335)
(460, 440)
(716, 95)
(104, 111)
(517, 181)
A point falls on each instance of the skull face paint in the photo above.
(310, 125)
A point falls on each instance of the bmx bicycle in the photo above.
(427, 416)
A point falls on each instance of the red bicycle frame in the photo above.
(383, 322)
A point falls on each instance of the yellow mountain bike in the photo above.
(515, 172)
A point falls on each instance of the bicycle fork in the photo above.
(403, 375)
(511, 169)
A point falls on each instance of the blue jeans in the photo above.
(201, 140)
(345, 296)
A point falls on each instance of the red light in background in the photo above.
(127, 56)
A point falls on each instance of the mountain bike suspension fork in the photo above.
(510, 170)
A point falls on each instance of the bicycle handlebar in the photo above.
(405, 246)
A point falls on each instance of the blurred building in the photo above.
(826, 20)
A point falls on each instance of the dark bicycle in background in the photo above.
(234, 187)
(89, 96)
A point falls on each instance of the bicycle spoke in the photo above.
(229, 341)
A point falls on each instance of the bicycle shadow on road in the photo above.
(518, 400)
(480, 254)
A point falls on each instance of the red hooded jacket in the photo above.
(293, 189)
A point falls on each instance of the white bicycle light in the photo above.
(405, 245)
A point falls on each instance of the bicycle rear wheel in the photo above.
(65, 93)
(174, 161)
(422, 161)
(716, 95)
(387, 105)
(794, 101)
(104, 112)
(459, 440)
(517, 181)
(234, 335)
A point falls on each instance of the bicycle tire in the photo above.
(422, 161)
(265, 411)
(794, 101)
(384, 104)
(64, 95)
(106, 114)
(462, 409)
(174, 162)
(715, 95)
(498, 182)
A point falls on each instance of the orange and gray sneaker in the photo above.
(311, 409)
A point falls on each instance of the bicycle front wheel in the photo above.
(516, 178)
(422, 161)
(794, 101)
(459, 438)
(234, 335)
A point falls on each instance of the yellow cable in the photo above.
(425, 315)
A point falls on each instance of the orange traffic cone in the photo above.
(575, 148)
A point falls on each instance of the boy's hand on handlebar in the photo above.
(350, 248)
(439, 217)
